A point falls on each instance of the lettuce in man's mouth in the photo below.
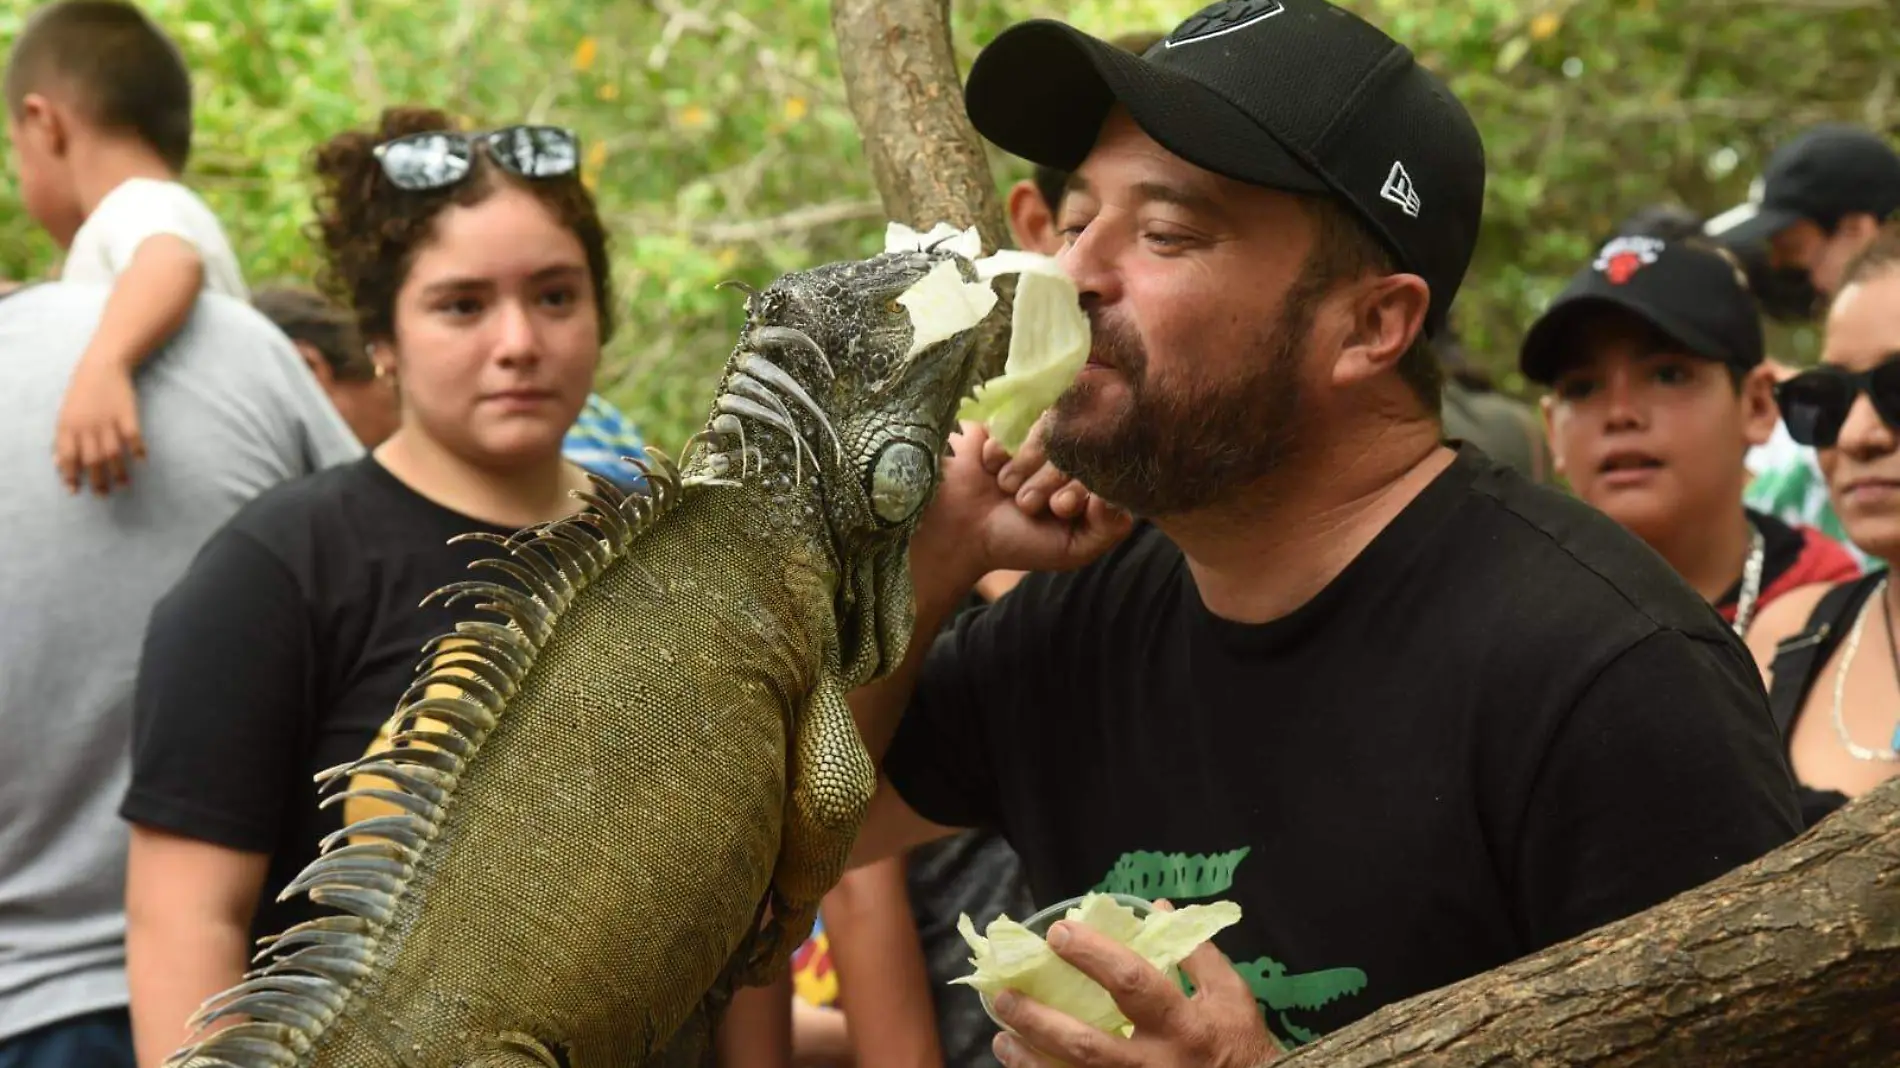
(1009, 956)
(1048, 338)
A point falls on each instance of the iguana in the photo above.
(629, 795)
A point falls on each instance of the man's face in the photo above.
(1647, 433)
(1193, 385)
(1805, 246)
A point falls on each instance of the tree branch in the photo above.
(797, 221)
(369, 85)
(900, 76)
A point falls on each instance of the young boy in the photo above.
(99, 117)
(1653, 356)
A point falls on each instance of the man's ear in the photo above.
(1387, 313)
(1759, 411)
(1031, 221)
(1547, 404)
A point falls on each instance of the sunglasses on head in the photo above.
(1815, 403)
(440, 158)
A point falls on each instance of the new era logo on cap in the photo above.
(1222, 19)
(1398, 189)
(1624, 256)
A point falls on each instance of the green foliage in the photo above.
(721, 147)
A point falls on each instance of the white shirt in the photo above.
(143, 207)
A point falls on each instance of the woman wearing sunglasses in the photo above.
(476, 267)
(1830, 652)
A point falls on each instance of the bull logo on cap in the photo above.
(1624, 256)
(1223, 18)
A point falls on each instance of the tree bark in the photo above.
(1791, 960)
(900, 75)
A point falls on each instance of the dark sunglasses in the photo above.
(440, 158)
(1815, 403)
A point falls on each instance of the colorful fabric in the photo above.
(600, 438)
(814, 981)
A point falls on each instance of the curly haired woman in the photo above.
(476, 266)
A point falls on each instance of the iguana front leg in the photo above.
(830, 783)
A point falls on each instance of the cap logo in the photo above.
(1223, 19)
(1398, 189)
(1624, 256)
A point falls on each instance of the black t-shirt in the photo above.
(1505, 723)
(281, 652)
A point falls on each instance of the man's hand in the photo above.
(97, 436)
(1029, 475)
(1219, 1027)
(980, 526)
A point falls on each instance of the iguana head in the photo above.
(824, 408)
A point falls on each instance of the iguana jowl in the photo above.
(597, 800)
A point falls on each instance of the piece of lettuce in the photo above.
(942, 305)
(1009, 956)
(1049, 334)
(1048, 344)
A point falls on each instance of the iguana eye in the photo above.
(900, 481)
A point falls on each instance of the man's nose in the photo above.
(1089, 263)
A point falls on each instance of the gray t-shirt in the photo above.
(227, 411)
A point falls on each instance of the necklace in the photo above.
(1855, 750)
(1751, 580)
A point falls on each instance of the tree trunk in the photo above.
(900, 75)
(1791, 960)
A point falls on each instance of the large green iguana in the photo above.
(630, 797)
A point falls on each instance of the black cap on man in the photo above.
(1295, 95)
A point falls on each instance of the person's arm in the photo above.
(1665, 774)
(188, 909)
(757, 1029)
(882, 982)
(218, 716)
(98, 430)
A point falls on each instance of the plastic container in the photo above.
(1039, 925)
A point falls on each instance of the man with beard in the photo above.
(1415, 715)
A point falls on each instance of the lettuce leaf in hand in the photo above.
(1009, 956)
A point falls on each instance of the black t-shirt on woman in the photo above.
(1506, 722)
(280, 653)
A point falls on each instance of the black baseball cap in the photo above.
(1695, 295)
(1824, 174)
(1297, 95)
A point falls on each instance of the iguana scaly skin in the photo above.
(592, 805)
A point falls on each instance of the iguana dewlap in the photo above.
(585, 811)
